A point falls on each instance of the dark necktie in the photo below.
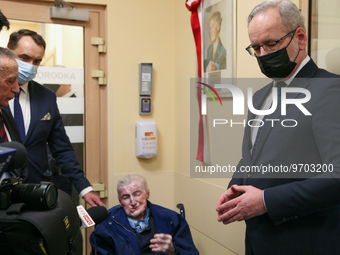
(3, 136)
(279, 85)
(19, 120)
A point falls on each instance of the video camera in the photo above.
(41, 196)
(26, 224)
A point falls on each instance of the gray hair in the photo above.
(290, 15)
(217, 16)
(126, 180)
(5, 53)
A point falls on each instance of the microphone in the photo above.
(91, 217)
(18, 159)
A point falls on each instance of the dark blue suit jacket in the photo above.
(47, 127)
(13, 132)
(303, 208)
(114, 236)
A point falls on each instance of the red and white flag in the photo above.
(195, 7)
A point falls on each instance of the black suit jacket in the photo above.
(13, 132)
(303, 208)
(47, 127)
(11, 125)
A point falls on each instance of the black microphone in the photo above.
(19, 158)
(98, 214)
(91, 217)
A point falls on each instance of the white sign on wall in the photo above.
(59, 75)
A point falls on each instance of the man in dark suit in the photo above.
(65, 91)
(296, 212)
(8, 87)
(42, 120)
(7, 73)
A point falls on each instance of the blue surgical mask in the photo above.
(27, 72)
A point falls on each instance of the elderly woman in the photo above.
(137, 226)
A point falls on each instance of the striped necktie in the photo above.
(3, 136)
(19, 120)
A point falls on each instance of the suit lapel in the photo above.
(11, 125)
(257, 103)
(300, 81)
(259, 99)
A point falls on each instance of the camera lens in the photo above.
(36, 196)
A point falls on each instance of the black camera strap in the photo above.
(16, 208)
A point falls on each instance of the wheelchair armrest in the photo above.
(180, 206)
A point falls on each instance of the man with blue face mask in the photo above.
(41, 119)
(293, 208)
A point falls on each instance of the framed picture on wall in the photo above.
(324, 39)
(218, 41)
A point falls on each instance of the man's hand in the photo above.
(228, 195)
(92, 199)
(234, 206)
(162, 243)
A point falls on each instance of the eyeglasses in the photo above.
(255, 50)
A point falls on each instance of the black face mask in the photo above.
(276, 64)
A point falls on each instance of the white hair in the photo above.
(290, 15)
(126, 180)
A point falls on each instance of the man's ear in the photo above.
(302, 38)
